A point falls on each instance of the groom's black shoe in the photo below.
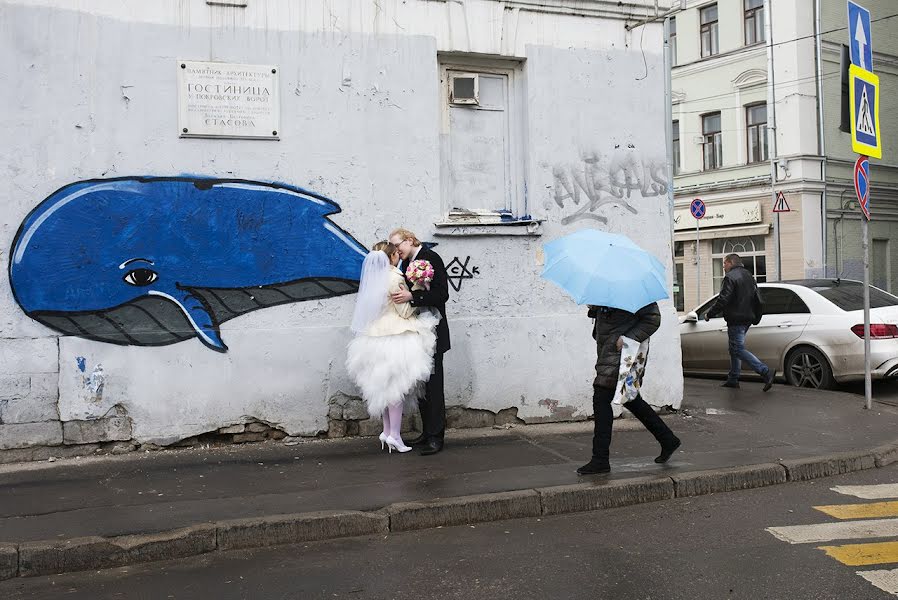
(417, 442)
(432, 447)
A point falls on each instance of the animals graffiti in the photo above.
(150, 261)
(458, 271)
(606, 180)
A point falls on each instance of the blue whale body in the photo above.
(150, 261)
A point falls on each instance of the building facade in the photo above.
(486, 127)
(756, 97)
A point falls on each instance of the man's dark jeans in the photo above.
(738, 353)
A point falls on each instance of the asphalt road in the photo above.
(713, 547)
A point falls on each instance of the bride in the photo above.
(391, 356)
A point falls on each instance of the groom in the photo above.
(433, 404)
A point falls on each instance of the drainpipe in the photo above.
(821, 140)
(771, 139)
(668, 128)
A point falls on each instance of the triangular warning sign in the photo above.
(781, 205)
(865, 115)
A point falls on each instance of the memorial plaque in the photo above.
(226, 100)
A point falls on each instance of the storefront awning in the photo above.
(723, 232)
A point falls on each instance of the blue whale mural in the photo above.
(150, 261)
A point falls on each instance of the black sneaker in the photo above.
(667, 450)
(729, 384)
(594, 467)
(768, 380)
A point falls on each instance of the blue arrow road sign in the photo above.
(859, 36)
(697, 208)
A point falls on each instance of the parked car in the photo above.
(812, 333)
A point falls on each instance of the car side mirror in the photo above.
(691, 317)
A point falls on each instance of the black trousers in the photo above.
(604, 417)
(433, 404)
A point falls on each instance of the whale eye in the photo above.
(140, 277)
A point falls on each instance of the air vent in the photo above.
(464, 89)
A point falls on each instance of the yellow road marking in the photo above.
(872, 510)
(857, 555)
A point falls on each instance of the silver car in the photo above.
(812, 332)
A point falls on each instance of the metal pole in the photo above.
(698, 265)
(771, 134)
(868, 384)
(821, 138)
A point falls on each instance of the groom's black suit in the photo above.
(433, 404)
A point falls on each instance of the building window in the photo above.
(679, 254)
(710, 47)
(754, 22)
(756, 125)
(676, 147)
(711, 144)
(481, 156)
(750, 249)
(673, 41)
(879, 273)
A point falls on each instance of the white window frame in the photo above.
(516, 203)
(747, 256)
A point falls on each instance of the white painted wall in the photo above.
(89, 92)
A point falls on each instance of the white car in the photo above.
(812, 332)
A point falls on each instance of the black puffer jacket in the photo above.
(739, 300)
(612, 323)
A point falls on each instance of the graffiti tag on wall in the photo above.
(458, 271)
(150, 261)
(600, 180)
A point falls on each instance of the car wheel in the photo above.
(807, 367)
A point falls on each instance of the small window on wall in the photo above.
(756, 129)
(710, 45)
(712, 148)
(754, 22)
(749, 249)
(676, 147)
(673, 41)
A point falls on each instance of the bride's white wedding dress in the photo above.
(393, 357)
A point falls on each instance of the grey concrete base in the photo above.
(9, 561)
(728, 480)
(48, 558)
(292, 529)
(406, 516)
(592, 496)
(828, 465)
(885, 455)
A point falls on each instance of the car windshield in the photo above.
(849, 295)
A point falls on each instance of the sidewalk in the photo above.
(154, 492)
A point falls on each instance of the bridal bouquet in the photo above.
(420, 274)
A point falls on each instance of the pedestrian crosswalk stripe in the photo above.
(869, 492)
(861, 511)
(859, 555)
(844, 530)
(886, 579)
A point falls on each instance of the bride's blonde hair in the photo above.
(385, 247)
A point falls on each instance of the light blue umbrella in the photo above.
(605, 269)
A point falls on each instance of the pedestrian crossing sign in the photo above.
(863, 89)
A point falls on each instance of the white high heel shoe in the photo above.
(383, 440)
(397, 445)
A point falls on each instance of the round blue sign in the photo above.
(697, 208)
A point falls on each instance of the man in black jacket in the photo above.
(740, 304)
(433, 404)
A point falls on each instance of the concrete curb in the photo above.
(51, 557)
(407, 516)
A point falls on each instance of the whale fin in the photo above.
(199, 316)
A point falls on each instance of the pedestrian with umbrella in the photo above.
(621, 283)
